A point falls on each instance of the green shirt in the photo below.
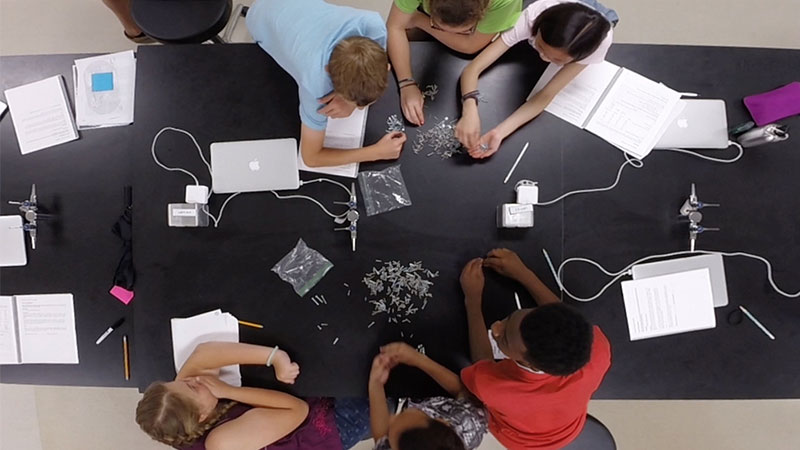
(502, 14)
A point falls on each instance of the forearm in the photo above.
(337, 156)
(541, 294)
(378, 411)
(479, 345)
(399, 53)
(524, 114)
(213, 355)
(265, 398)
(446, 378)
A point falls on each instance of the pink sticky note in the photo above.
(122, 294)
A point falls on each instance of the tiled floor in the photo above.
(66, 418)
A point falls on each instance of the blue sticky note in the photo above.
(102, 81)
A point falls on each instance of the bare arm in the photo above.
(208, 357)
(405, 354)
(533, 107)
(507, 263)
(472, 282)
(397, 42)
(315, 155)
(378, 408)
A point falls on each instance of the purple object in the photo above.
(774, 105)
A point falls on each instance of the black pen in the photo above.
(109, 330)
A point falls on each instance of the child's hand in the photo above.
(218, 388)
(400, 352)
(412, 101)
(468, 130)
(336, 107)
(390, 146)
(472, 280)
(381, 367)
(506, 262)
(487, 145)
(286, 371)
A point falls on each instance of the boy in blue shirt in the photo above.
(337, 56)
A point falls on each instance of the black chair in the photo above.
(182, 21)
(594, 436)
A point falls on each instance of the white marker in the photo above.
(516, 297)
(109, 331)
(521, 154)
(758, 324)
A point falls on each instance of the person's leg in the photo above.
(122, 9)
(352, 419)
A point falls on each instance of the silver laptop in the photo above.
(253, 166)
(700, 124)
(713, 262)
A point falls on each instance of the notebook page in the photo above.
(9, 352)
(211, 326)
(578, 99)
(669, 304)
(632, 114)
(47, 329)
(345, 133)
(41, 115)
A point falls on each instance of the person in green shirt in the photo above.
(466, 26)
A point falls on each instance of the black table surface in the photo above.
(236, 92)
(81, 183)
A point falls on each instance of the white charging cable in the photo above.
(638, 164)
(217, 219)
(557, 273)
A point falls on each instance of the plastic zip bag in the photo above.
(383, 190)
(302, 267)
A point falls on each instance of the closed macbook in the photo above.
(254, 166)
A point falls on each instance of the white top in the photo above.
(522, 30)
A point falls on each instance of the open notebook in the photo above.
(38, 329)
(626, 109)
(214, 325)
(345, 133)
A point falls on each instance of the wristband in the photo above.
(471, 95)
(271, 355)
(404, 80)
(413, 83)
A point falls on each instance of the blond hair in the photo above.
(173, 419)
(359, 69)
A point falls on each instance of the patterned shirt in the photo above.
(466, 417)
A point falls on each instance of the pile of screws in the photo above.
(430, 91)
(439, 139)
(393, 123)
(399, 291)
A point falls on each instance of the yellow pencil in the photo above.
(250, 324)
(126, 357)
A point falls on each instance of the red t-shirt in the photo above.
(537, 411)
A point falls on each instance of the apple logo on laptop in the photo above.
(255, 165)
(683, 123)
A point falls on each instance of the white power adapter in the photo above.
(196, 193)
(527, 192)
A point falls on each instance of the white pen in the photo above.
(516, 297)
(516, 162)
(689, 94)
(108, 331)
(758, 324)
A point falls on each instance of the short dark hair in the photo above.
(572, 27)
(558, 339)
(458, 12)
(435, 436)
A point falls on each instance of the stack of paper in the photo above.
(38, 329)
(346, 133)
(211, 326)
(669, 304)
(104, 90)
(41, 115)
(629, 111)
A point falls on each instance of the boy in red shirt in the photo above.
(552, 360)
